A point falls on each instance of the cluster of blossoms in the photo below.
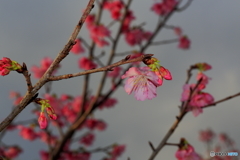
(136, 36)
(223, 143)
(198, 98)
(45, 64)
(114, 8)
(98, 32)
(145, 80)
(206, 135)
(67, 108)
(184, 42)
(84, 62)
(42, 120)
(186, 151)
(16, 96)
(7, 65)
(164, 7)
(10, 152)
(78, 48)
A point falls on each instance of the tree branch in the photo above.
(106, 68)
(28, 96)
(165, 42)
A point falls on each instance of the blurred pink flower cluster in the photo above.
(186, 151)
(198, 98)
(114, 8)
(44, 65)
(164, 7)
(98, 32)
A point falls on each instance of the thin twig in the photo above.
(169, 26)
(151, 146)
(172, 144)
(27, 77)
(100, 149)
(189, 73)
(222, 100)
(124, 53)
(165, 42)
(84, 43)
(106, 68)
(185, 6)
(29, 121)
(111, 23)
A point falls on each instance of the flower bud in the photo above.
(42, 120)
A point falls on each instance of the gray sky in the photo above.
(31, 30)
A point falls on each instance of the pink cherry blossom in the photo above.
(115, 73)
(178, 31)
(223, 137)
(27, 133)
(101, 125)
(187, 90)
(101, 42)
(204, 81)
(45, 64)
(69, 113)
(126, 23)
(118, 150)
(91, 123)
(90, 20)
(12, 152)
(184, 43)
(87, 139)
(187, 153)
(201, 99)
(110, 102)
(44, 155)
(206, 135)
(198, 101)
(77, 48)
(42, 120)
(85, 63)
(158, 8)
(198, 98)
(114, 7)
(95, 124)
(77, 103)
(164, 7)
(98, 33)
(136, 36)
(16, 96)
(142, 81)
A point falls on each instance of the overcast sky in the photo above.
(31, 30)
